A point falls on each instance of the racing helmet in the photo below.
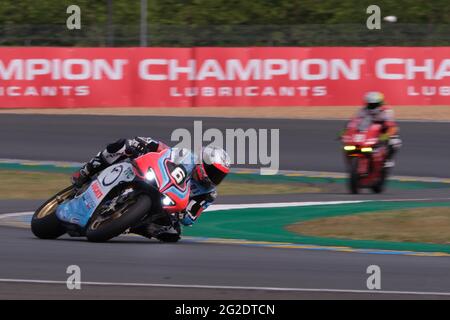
(214, 166)
(373, 100)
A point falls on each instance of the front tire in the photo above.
(45, 224)
(101, 231)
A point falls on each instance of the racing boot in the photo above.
(164, 229)
(389, 164)
(394, 145)
(79, 178)
(86, 172)
(160, 232)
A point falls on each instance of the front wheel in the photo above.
(354, 176)
(103, 228)
(45, 224)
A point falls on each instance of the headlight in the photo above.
(150, 175)
(167, 201)
(367, 149)
(349, 148)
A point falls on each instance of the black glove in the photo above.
(136, 147)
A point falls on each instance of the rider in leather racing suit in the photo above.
(379, 113)
(204, 176)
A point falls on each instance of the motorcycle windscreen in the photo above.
(365, 124)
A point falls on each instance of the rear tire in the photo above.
(113, 228)
(354, 176)
(45, 224)
(379, 187)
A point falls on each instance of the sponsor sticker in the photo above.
(97, 191)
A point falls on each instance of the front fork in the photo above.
(365, 164)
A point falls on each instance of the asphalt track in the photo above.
(132, 260)
(210, 270)
(304, 144)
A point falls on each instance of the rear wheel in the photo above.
(379, 186)
(105, 227)
(354, 176)
(45, 224)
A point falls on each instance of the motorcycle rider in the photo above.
(376, 110)
(203, 175)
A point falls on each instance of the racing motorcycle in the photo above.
(120, 197)
(365, 156)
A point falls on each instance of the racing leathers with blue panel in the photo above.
(161, 226)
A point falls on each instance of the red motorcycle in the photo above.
(365, 156)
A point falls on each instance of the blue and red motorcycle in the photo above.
(119, 198)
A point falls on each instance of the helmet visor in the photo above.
(372, 106)
(215, 174)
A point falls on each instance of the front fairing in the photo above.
(179, 197)
(175, 193)
(362, 138)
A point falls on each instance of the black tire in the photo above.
(115, 227)
(354, 176)
(380, 185)
(45, 224)
(170, 237)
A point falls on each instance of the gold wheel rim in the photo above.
(51, 205)
(116, 215)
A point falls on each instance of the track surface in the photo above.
(130, 259)
(304, 145)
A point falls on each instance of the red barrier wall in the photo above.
(180, 77)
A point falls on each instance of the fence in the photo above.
(390, 34)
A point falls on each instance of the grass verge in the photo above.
(424, 225)
(42, 185)
(251, 188)
(31, 185)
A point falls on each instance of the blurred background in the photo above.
(186, 23)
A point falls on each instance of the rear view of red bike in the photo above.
(365, 156)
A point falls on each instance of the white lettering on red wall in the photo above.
(176, 77)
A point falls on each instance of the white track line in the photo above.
(223, 207)
(194, 286)
(15, 214)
